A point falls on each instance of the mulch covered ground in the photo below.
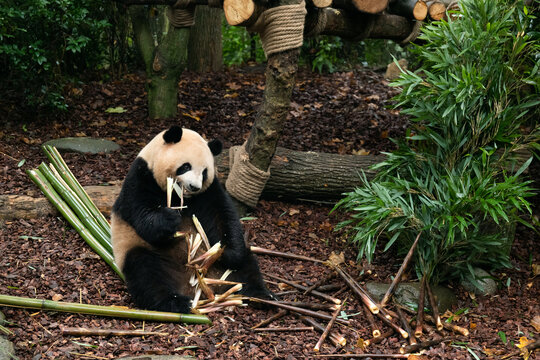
(340, 113)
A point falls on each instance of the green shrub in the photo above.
(239, 46)
(455, 178)
(44, 42)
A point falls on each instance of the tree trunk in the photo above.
(205, 47)
(164, 64)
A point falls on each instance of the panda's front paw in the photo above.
(165, 223)
(175, 303)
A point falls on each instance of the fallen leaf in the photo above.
(80, 134)
(116, 110)
(361, 152)
(294, 211)
(195, 117)
(182, 106)
(536, 269)
(57, 297)
(523, 341)
(233, 95)
(535, 322)
(336, 258)
(234, 86)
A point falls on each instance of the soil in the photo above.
(337, 113)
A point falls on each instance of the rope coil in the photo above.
(245, 181)
(181, 16)
(281, 28)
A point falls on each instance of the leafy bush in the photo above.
(455, 178)
(239, 46)
(43, 42)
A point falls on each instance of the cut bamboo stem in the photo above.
(420, 312)
(261, 251)
(448, 326)
(393, 325)
(78, 207)
(406, 326)
(58, 162)
(319, 283)
(110, 311)
(363, 356)
(434, 307)
(281, 313)
(407, 349)
(327, 329)
(335, 338)
(286, 329)
(376, 340)
(357, 289)
(400, 272)
(312, 306)
(299, 310)
(79, 331)
(375, 331)
(41, 181)
(303, 288)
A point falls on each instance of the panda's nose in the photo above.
(194, 188)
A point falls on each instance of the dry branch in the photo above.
(400, 272)
(406, 325)
(434, 307)
(312, 306)
(327, 329)
(299, 310)
(335, 338)
(284, 329)
(420, 313)
(303, 288)
(376, 340)
(79, 331)
(375, 331)
(278, 315)
(261, 251)
(319, 283)
(422, 345)
(357, 289)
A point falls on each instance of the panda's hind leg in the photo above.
(250, 275)
(151, 282)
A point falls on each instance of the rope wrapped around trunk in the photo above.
(181, 14)
(281, 28)
(245, 181)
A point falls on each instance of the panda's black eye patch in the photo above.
(204, 175)
(183, 169)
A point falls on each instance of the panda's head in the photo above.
(184, 155)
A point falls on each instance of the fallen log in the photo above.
(294, 175)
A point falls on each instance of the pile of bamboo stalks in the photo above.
(63, 190)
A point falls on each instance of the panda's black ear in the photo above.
(173, 135)
(215, 147)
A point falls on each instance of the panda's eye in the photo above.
(205, 175)
(183, 169)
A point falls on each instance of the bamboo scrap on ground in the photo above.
(110, 311)
(336, 338)
(285, 329)
(261, 251)
(327, 329)
(80, 331)
(303, 288)
(281, 313)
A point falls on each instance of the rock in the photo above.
(393, 71)
(7, 350)
(158, 357)
(408, 293)
(84, 145)
(485, 285)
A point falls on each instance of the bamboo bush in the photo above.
(473, 105)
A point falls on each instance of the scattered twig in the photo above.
(79, 331)
(357, 289)
(335, 338)
(299, 310)
(329, 287)
(422, 345)
(375, 331)
(434, 307)
(261, 251)
(524, 350)
(399, 274)
(376, 340)
(448, 326)
(301, 287)
(278, 315)
(319, 283)
(406, 326)
(420, 313)
(364, 356)
(280, 329)
(327, 329)
(393, 325)
(312, 306)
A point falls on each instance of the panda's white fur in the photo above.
(142, 226)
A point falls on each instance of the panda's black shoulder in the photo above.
(139, 187)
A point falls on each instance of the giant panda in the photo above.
(142, 226)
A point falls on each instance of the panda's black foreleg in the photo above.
(151, 284)
(250, 275)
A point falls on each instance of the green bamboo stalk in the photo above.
(41, 181)
(78, 207)
(111, 311)
(58, 162)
